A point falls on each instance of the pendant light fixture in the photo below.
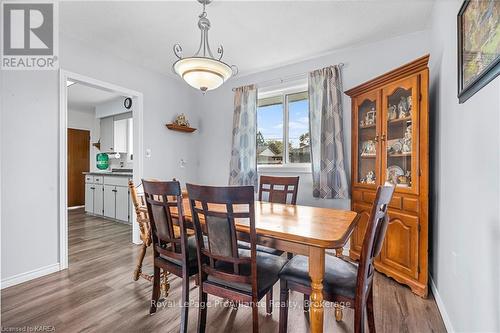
(203, 71)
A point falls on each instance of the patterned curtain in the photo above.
(243, 166)
(327, 138)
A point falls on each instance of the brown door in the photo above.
(78, 162)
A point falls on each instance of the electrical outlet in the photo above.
(182, 163)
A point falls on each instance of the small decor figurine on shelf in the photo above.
(370, 177)
(181, 120)
(393, 112)
(407, 140)
(394, 146)
(370, 117)
(368, 148)
(403, 107)
(405, 180)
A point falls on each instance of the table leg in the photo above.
(316, 273)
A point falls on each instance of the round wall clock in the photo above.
(127, 103)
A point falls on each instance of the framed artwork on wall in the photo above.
(478, 27)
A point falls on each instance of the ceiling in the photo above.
(256, 35)
(85, 98)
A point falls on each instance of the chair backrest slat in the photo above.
(214, 211)
(161, 197)
(279, 189)
(373, 240)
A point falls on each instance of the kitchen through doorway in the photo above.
(101, 132)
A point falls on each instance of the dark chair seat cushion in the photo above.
(268, 268)
(260, 248)
(340, 275)
(192, 256)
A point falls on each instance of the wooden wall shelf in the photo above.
(175, 127)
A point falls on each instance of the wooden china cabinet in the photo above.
(390, 144)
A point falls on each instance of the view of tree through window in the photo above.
(298, 128)
(271, 132)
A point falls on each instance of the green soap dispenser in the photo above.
(102, 161)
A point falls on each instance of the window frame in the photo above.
(283, 91)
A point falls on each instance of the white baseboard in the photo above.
(75, 207)
(26, 276)
(440, 305)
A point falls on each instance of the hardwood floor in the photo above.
(97, 294)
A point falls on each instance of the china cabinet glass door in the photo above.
(367, 118)
(400, 135)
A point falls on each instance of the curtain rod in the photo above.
(286, 78)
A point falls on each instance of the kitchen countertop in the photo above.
(109, 173)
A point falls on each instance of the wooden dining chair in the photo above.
(225, 270)
(144, 232)
(281, 190)
(344, 282)
(173, 250)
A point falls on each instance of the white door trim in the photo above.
(138, 101)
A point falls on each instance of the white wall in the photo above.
(465, 198)
(363, 62)
(29, 132)
(83, 119)
(29, 192)
(110, 108)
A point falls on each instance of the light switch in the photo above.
(148, 153)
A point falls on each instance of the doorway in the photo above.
(68, 79)
(78, 163)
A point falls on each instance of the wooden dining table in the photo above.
(301, 230)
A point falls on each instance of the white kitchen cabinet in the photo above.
(114, 134)
(98, 204)
(110, 201)
(89, 197)
(120, 132)
(122, 203)
(93, 196)
(107, 196)
(107, 135)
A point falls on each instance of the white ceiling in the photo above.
(256, 35)
(84, 98)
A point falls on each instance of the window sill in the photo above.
(301, 168)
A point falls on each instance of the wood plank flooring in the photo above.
(97, 294)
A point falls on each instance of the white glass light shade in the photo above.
(203, 73)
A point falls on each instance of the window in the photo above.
(283, 118)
